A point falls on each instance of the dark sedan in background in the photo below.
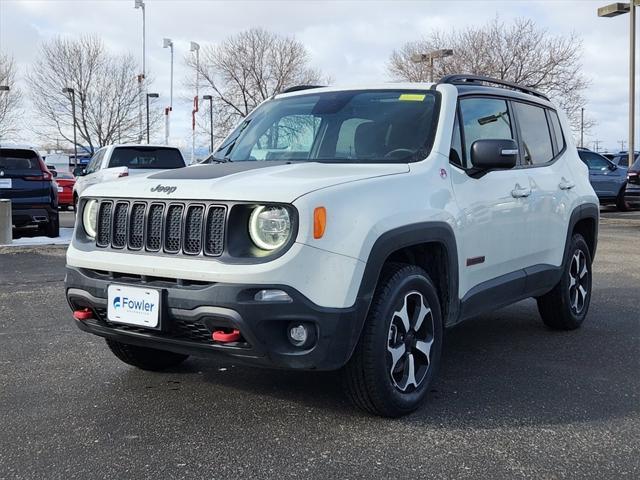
(607, 178)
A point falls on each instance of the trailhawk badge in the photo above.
(164, 189)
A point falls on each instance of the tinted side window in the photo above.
(557, 130)
(455, 153)
(484, 118)
(536, 138)
(594, 161)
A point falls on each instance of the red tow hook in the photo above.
(224, 337)
(83, 314)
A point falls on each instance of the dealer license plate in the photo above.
(133, 305)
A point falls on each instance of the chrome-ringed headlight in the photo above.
(269, 227)
(90, 217)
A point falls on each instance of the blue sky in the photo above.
(348, 40)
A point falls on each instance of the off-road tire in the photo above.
(557, 307)
(367, 377)
(145, 358)
(52, 228)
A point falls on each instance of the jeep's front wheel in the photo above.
(398, 353)
(145, 358)
(565, 307)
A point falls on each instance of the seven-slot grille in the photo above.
(170, 227)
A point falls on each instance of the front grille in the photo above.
(154, 227)
(120, 225)
(193, 230)
(172, 227)
(136, 226)
(103, 237)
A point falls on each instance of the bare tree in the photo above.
(10, 100)
(519, 52)
(246, 69)
(106, 92)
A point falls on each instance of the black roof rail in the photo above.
(461, 79)
(297, 88)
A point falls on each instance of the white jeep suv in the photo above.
(344, 229)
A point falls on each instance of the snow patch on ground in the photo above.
(63, 239)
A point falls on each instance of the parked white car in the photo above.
(344, 229)
(116, 161)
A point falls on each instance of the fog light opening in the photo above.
(272, 296)
(301, 334)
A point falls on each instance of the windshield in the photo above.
(387, 126)
(146, 157)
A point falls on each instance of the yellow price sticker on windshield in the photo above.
(412, 97)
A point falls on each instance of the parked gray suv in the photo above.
(607, 178)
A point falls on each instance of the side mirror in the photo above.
(613, 166)
(54, 173)
(79, 171)
(488, 154)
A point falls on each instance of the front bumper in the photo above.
(192, 310)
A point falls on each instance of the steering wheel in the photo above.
(399, 153)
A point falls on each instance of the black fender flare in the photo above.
(397, 239)
(589, 211)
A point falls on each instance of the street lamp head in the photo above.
(4, 88)
(152, 95)
(167, 42)
(194, 47)
(207, 97)
(614, 9)
(139, 4)
(68, 90)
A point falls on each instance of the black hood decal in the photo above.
(217, 170)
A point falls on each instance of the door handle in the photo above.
(520, 192)
(566, 184)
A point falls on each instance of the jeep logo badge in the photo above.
(164, 189)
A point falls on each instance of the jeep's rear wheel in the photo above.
(565, 307)
(145, 358)
(398, 353)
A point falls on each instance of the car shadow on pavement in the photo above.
(503, 369)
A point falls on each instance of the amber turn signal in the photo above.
(319, 222)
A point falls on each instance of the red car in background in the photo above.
(65, 182)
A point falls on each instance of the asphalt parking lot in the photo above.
(513, 400)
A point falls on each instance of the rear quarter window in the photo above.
(557, 130)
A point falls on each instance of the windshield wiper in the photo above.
(221, 160)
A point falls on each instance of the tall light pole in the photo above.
(430, 57)
(4, 88)
(210, 98)
(149, 95)
(613, 10)
(582, 127)
(140, 4)
(195, 48)
(72, 96)
(168, 43)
